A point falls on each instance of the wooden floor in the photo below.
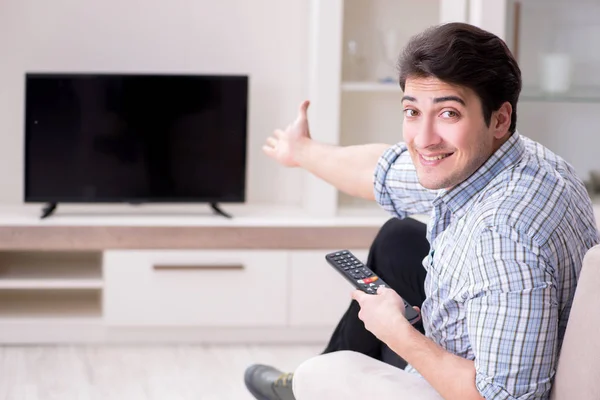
(131, 373)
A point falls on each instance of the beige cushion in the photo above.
(578, 371)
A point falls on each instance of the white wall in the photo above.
(266, 39)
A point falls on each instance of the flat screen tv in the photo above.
(137, 138)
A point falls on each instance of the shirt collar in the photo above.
(459, 198)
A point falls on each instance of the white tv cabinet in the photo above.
(176, 276)
(113, 277)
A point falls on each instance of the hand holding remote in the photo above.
(384, 315)
(362, 278)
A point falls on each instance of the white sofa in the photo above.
(577, 376)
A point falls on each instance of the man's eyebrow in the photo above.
(438, 99)
(449, 98)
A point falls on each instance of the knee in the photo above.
(398, 232)
(308, 375)
(316, 376)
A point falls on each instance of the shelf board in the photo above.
(51, 329)
(57, 284)
(43, 322)
(376, 87)
(589, 94)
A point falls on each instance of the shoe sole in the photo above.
(251, 390)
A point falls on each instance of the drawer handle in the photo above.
(195, 267)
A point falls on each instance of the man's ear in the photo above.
(501, 120)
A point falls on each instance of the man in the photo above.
(510, 224)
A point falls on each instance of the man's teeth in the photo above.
(441, 156)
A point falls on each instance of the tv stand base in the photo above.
(218, 210)
(48, 210)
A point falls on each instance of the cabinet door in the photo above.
(319, 295)
(196, 288)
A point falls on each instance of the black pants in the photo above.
(396, 255)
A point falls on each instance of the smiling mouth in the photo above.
(435, 158)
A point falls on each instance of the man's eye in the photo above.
(409, 112)
(450, 114)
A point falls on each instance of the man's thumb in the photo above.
(303, 110)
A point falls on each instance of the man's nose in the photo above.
(426, 135)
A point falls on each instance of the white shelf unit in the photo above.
(347, 109)
(50, 284)
(533, 28)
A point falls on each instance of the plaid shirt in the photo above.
(506, 251)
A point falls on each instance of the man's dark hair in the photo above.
(465, 55)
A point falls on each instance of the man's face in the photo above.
(446, 133)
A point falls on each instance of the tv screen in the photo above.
(135, 138)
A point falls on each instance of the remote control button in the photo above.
(370, 279)
(370, 291)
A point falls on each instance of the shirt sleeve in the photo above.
(397, 188)
(512, 317)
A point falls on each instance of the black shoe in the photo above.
(268, 383)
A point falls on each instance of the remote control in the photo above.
(362, 278)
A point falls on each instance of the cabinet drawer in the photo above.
(319, 295)
(195, 288)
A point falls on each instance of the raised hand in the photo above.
(285, 145)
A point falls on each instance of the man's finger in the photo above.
(381, 289)
(303, 110)
(269, 150)
(358, 295)
(271, 141)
